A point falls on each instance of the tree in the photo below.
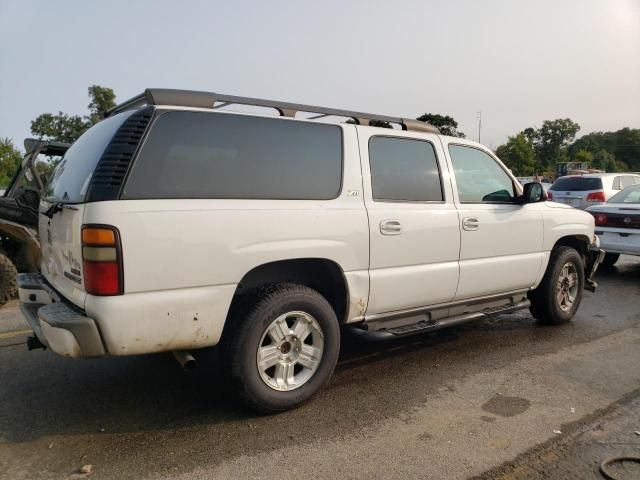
(532, 135)
(59, 127)
(10, 158)
(518, 154)
(553, 137)
(627, 147)
(62, 127)
(583, 156)
(102, 100)
(380, 123)
(619, 150)
(446, 124)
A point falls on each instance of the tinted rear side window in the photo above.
(72, 175)
(404, 170)
(213, 155)
(578, 184)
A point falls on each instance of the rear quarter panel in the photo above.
(184, 258)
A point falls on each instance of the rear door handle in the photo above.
(390, 227)
(470, 223)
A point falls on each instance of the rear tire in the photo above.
(610, 259)
(8, 273)
(557, 298)
(283, 349)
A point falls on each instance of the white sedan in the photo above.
(618, 224)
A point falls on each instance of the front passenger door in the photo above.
(500, 240)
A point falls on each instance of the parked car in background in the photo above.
(618, 224)
(546, 185)
(584, 191)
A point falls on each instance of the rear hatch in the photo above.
(579, 192)
(62, 209)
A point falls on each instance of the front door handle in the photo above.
(470, 223)
(390, 227)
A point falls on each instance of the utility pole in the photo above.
(479, 117)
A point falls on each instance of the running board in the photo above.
(426, 326)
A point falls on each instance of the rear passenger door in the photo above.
(413, 222)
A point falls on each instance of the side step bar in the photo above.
(424, 326)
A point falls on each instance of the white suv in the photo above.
(173, 225)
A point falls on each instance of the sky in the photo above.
(519, 62)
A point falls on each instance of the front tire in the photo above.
(558, 297)
(283, 350)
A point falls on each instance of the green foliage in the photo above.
(518, 154)
(45, 169)
(552, 139)
(380, 123)
(62, 127)
(102, 100)
(446, 124)
(622, 148)
(583, 156)
(10, 158)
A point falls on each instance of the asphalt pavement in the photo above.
(457, 404)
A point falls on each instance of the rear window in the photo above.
(71, 177)
(577, 184)
(213, 155)
(628, 195)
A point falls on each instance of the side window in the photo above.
(404, 170)
(627, 181)
(219, 155)
(479, 177)
(617, 183)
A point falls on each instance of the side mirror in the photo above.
(533, 192)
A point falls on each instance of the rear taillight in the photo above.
(596, 197)
(600, 218)
(102, 260)
(549, 195)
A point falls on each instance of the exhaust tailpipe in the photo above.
(185, 359)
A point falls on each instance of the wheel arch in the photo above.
(321, 274)
(577, 242)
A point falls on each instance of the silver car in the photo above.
(584, 191)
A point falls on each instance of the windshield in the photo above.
(72, 175)
(577, 184)
(628, 195)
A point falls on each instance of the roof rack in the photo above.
(192, 98)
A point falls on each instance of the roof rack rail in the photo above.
(197, 99)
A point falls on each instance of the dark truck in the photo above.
(19, 245)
